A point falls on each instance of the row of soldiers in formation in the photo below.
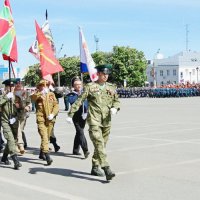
(159, 92)
(95, 103)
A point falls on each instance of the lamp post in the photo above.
(197, 74)
(190, 76)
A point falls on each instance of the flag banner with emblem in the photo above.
(47, 32)
(49, 64)
(8, 42)
(87, 64)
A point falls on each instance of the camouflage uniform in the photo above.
(100, 101)
(45, 105)
(9, 110)
(25, 107)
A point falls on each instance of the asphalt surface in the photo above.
(154, 148)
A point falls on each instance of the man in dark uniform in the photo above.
(79, 118)
(103, 102)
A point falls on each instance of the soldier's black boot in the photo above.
(17, 164)
(96, 171)
(24, 139)
(109, 174)
(5, 160)
(48, 159)
(42, 156)
(53, 141)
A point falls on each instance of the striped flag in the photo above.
(8, 43)
(87, 64)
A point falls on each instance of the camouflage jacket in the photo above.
(25, 102)
(100, 101)
(8, 108)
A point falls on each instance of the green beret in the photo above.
(11, 81)
(106, 69)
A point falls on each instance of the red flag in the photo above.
(49, 64)
(8, 44)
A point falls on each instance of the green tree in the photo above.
(33, 76)
(128, 64)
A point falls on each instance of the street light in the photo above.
(197, 74)
(190, 76)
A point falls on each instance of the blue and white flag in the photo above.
(87, 63)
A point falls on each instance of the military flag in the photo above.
(87, 64)
(47, 32)
(8, 43)
(49, 64)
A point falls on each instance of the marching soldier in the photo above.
(46, 110)
(103, 102)
(25, 108)
(10, 104)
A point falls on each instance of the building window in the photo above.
(168, 72)
(193, 72)
(181, 74)
(161, 72)
(162, 83)
(174, 72)
(186, 71)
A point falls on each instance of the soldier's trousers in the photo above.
(10, 134)
(45, 130)
(22, 123)
(99, 137)
(79, 139)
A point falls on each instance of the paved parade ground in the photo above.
(154, 148)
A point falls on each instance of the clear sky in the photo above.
(146, 25)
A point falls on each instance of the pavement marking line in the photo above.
(149, 146)
(42, 190)
(174, 130)
(192, 141)
(150, 125)
(159, 167)
(162, 132)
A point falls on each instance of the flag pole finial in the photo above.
(46, 14)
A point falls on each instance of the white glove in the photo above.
(84, 116)
(27, 114)
(10, 95)
(113, 111)
(45, 91)
(69, 120)
(12, 120)
(50, 117)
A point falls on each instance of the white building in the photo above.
(180, 68)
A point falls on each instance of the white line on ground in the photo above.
(186, 162)
(42, 189)
(149, 146)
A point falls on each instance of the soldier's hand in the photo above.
(10, 95)
(45, 91)
(113, 111)
(69, 120)
(12, 120)
(50, 117)
(84, 116)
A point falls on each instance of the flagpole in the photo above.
(10, 100)
(13, 70)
